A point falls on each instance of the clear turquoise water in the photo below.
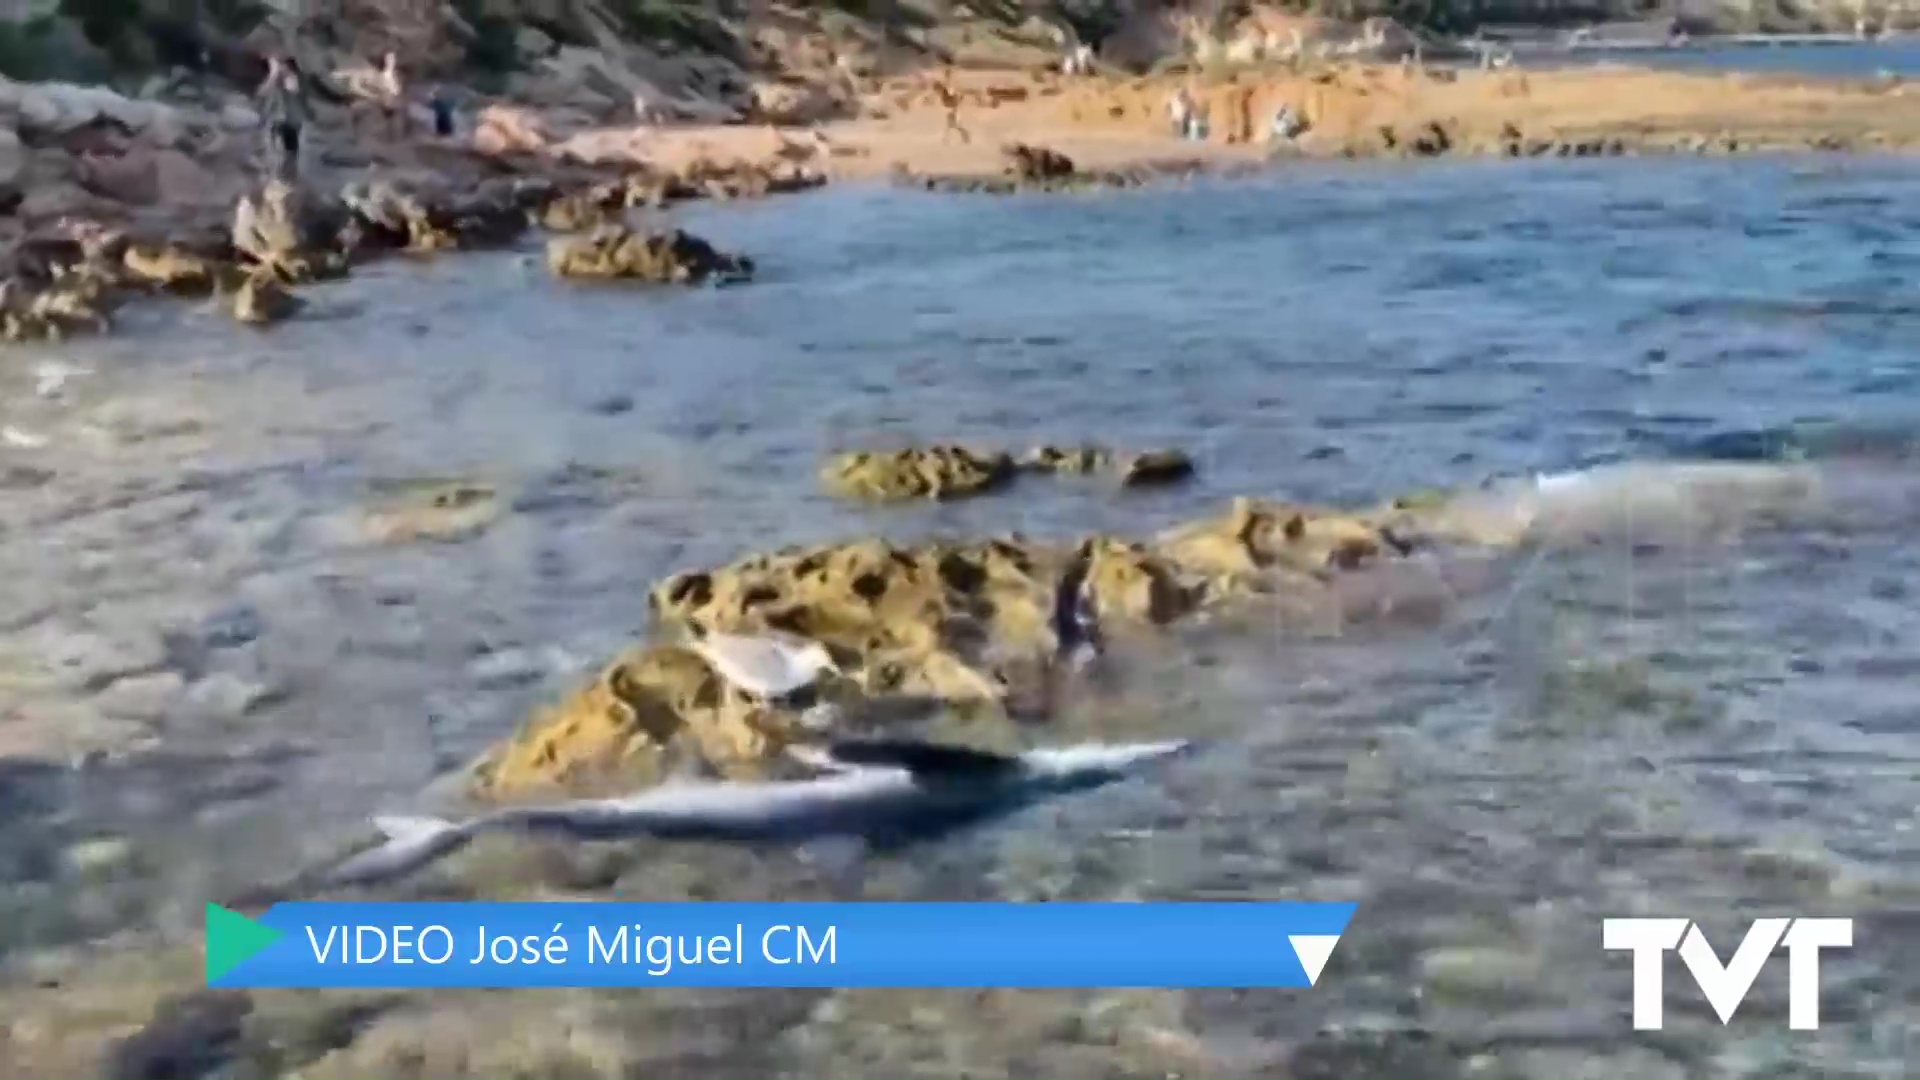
(1656, 721)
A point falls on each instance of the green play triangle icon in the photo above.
(232, 938)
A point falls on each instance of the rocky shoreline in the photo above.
(116, 198)
(70, 274)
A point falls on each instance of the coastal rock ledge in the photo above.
(954, 472)
(966, 628)
(668, 258)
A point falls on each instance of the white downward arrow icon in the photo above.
(1313, 951)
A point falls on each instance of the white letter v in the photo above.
(1726, 986)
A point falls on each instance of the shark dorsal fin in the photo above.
(926, 761)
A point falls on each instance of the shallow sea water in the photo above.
(1659, 721)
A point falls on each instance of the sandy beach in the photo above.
(1108, 124)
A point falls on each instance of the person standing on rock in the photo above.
(443, 112)
(283, 106)
(392, 93)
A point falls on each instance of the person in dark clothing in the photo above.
(283, 107)
(442, 107)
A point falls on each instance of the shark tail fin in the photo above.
(411, 842)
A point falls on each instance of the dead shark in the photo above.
(885, 793)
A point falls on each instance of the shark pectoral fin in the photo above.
(840, 861)
(927, 762)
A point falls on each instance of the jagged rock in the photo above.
(937, 472)
(620, 728)
(1132, 582)
(576, 213)
(1080, 460)
(276, 222)
(615, 251)
(1256, 536)
(1037, 164)
(262, 300)
(1156, 467)
(76, 303)
(384, 214)
(954, 625)
(1146, 469)
(1433, 141)
(741, 180)
(958, 625)
(946, 472)
(179, 271)
(795, 103)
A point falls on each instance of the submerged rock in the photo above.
(444, 512)
(615, 251)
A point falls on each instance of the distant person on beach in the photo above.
(1287, 126)
(283, 106)
(1180, 112)
(950, 101)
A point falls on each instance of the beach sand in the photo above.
(1105, 123)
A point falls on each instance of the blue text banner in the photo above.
(414, 945)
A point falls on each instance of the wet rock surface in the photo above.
(959, 627)
(70, 277)
(936, 472)
(665, 258)
(951, 472)
(1149, 468)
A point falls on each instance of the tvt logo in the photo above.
(1726, 985)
